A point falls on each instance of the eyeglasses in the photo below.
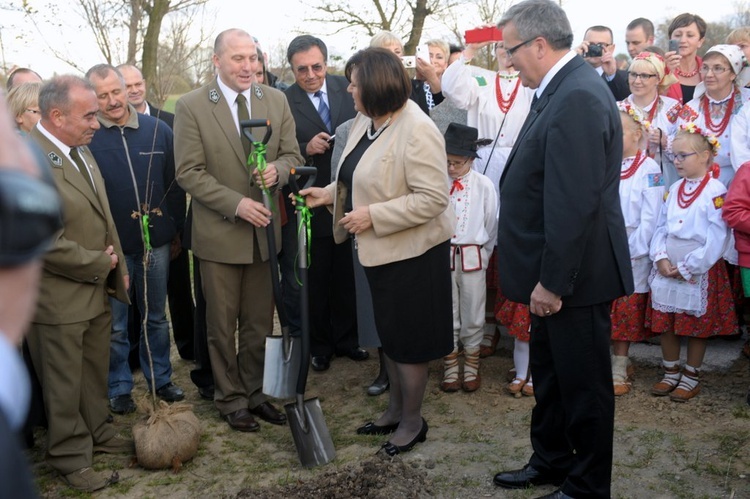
(642, 76)
(457, 164)
(32, 111)
(511, 51)
(717, 70)
(315, 68)
(679, 157)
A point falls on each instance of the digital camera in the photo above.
(409, 61)
(595, 50)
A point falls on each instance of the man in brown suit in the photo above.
(229, 219)
(69, 336)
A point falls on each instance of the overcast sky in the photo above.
(284, 19)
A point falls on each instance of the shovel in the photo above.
(281, 361)
(309, 430)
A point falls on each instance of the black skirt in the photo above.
(413, 305)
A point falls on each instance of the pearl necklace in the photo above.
(503, 103)
(374, 135)
(689, 74)
(684, 199)
(717, 128)
(637, 161)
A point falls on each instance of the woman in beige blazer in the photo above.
(391, 195)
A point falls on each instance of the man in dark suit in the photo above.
(70, 333)
(316, 95)
(564, 250)
(229, 219)
(181, 307)
(605, 64)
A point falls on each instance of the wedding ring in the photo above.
(548, 312)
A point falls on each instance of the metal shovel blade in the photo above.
(310, 433)
(281, 366)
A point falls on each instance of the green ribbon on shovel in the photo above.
(145, 219)
(257, 159)
(301, 207)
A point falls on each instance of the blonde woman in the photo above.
(23, 102)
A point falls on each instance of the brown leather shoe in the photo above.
(242, 420)
(489, 350)
(88, 480)
(269, 413)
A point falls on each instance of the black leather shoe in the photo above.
(242, 420)
(393, 449)
(122, 404)
(269, 413)
(558, 494)
(170, 393)
(373, 429)
(524, 478)
(356, 354)
(206, 392)
(321, 362)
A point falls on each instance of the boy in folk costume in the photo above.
(474, 203)
(641, 198)
(690, 291)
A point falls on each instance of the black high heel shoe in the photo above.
(393, 449)
(373, 429)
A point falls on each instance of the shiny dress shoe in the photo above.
(321, 362)
(373, 429)
(206, 392)
(378, 387)
(525, 477)
(356, 354)
(170, 393)
(241, 420)
(558, 494)
(269, 413)
(393, 449)
(122, 404)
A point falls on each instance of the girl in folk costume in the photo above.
(719, 98)
(496, 105)
(641, 198)
(474, 203)
(648, 77)
(690, 291)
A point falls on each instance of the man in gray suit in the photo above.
(229, 218)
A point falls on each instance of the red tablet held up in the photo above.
(479, 35)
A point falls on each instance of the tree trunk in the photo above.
(156, 12)
(420, 11)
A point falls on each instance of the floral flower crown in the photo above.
(636, 114)
(710, 138)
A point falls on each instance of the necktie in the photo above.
(243, 115)
(323, 111)
(533, 100)
(82, 167)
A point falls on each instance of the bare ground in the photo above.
(700, 449)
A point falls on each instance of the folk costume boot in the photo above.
(472, 380)
(621, 374)
(669, 382)
(450, 381)
(688, 387)
(489, 343)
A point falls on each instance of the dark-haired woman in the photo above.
(391, 195)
